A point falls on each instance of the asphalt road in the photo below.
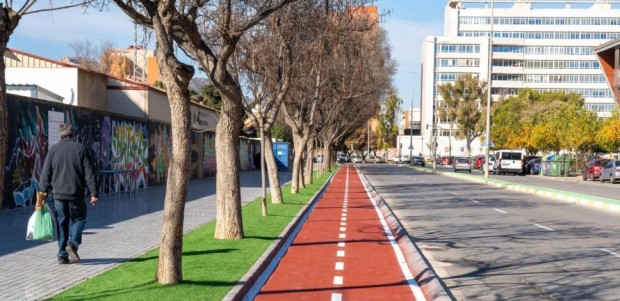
(488, 243)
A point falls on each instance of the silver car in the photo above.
(462, 164)
(610, 172)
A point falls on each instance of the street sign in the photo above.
(411, 147)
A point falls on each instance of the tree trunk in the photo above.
(272, 168)
(8, 22)
(229, 224)
(299, 145)
(328, 160)
(309, 162)
(176, 77)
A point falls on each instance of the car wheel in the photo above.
(600, 178)
(470, 171)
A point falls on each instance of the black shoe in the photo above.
(63, 260)
(73, 255)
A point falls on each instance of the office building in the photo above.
(543, 45)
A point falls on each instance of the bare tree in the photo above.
(94, 57)
(10, 17)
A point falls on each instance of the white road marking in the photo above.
(341, 244)
(474, 201)
(343, 219)
(336, 297)
(500, 211)
(339, 266)
(340, 253)
(439, 188)
(541, 226)
(342, 235)
(454, 193)
(344, 210)
(610, 252)
(343, 224)
(338, 280)
(413, 285)
(343, 229)
(344, 215)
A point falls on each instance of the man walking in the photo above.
(68, 170)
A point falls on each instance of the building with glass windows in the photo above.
(545, 45)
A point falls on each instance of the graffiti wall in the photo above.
(129, 153)
(113, 143)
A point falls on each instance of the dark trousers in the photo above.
(71, 218)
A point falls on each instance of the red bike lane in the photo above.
(342, 252)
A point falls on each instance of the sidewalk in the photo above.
(30, 271)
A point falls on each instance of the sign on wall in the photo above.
(54, 120)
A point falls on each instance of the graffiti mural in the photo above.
(160, 148)
(208, 154)
(27, 155)
(129, 152)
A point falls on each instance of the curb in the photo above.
(251, 277)
(604, 203)
(432, 287)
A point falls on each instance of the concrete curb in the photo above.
(609, 204)
(432, 287)
(251, 277)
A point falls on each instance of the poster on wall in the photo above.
(54, 120)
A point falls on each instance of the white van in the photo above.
(508, 161)
(356, 158)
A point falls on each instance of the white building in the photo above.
(545, 45)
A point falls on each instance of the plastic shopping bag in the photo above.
(40, 224)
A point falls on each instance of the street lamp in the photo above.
(487, 136)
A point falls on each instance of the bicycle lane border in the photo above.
(320, 247)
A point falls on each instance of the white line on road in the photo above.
(339, 266)
(336, 297)
(342, 235)
(454, 193)
(340, 253)
(500, 211)
(341, 244)
(439, 188)
(610, 252)
(343, 229)
(474, 201)
(338, 280)
(541, 226)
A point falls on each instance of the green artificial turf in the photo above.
(211, 267)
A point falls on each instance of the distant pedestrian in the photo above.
(68, 171)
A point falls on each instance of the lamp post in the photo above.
(487, 136)
(411, 122)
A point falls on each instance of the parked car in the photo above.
(533, 166)
(357, 158)
(418, 160)
(404, 159)
(610, 172)
(593, 168)
(462, 164)
(508, 161)
(490, 164)
(478, 162)
(379, 159)
(374, 159)
(445, 161)
(395, 159)
(526, 160)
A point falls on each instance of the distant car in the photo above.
(610, 172)
(342, 158)
(533, 166)
(374, 159)
(593, 169)
(318, 159)
(478, 162)
(508, 161)
(527, 160)
(404, 159)
(357, 158)
(417, 160)
(445, 161)
(490, 164)
(462, 164)
(395, 159)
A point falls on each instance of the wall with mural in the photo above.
(130, 153)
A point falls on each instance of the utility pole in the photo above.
(487, 136)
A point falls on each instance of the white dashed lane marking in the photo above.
(338, 280)
(610, 252)
(336, 297)
(541, 226)
(500, 211)
(339, 266)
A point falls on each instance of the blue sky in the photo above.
(407, 22)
